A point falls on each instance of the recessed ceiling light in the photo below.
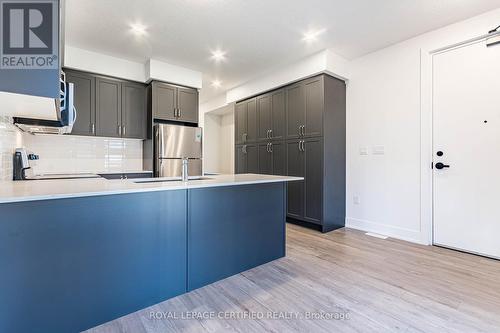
(218, 55)
(312, 35)
(216, 83)
(138, 29)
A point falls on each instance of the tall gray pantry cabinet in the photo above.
(299, 130)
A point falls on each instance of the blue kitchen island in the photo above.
(76, 254)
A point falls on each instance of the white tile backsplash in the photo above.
(73, 154)
(10, 139)
(68, 154)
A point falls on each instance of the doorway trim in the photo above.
(426, 132)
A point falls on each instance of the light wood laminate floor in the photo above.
(383, 286)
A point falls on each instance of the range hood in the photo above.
(62, 112)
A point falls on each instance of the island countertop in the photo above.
(33, 190)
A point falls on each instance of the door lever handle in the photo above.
(440, 166)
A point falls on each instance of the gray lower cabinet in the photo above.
(247, 159)
(272, 158)
(295, 168)
(108, 107)
(134, 116)
(305, 159)
(307, 122)
(84, 100)
(174, 103)
(246, 122)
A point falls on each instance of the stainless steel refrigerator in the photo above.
(172, 143)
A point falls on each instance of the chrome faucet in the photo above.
(185, 163)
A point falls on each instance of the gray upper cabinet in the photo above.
(84, 102)
(246, 122)
(174, 103)
(278, 115)
(187, 104)
(108, 107)
(307, 139)
(264, 117)
(295, 106)
(314, 106)
(164, 101)
(240, 123)
(134, 110)
(251, 120)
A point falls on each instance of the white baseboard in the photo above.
(409, 235)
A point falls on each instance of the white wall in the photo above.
(323, 62)
(94, 62)
(218, 138)
(384, 103)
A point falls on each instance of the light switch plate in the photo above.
(363, 151)
(378, 150)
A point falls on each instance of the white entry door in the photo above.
(466, 137)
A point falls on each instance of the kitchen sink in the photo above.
(165, 180)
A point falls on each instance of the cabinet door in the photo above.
(313, 150)
(134, 117)
(240, 122)
(265, 159)
(108, 107)
(84, 100)
(187, 104)
(252, 152)
(252, 120)
(240, 160)
(314, 102)
(295, 106)
(264, 117)
(295, 190)
(279, 158)
(278, 115)
(164, 101)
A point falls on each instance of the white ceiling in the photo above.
(256, 34)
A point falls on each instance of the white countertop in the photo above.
(32, 190)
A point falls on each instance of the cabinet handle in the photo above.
(244, 149)
(270, 134)
(119, 130)
(178, 112)
(300, 130)
(271, 147)
(303, 145)
(267, 134)
(124, 129)
(300, 146)
(303, 130)
(244, 137)
(93, 128)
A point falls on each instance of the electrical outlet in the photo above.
(356, 200)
